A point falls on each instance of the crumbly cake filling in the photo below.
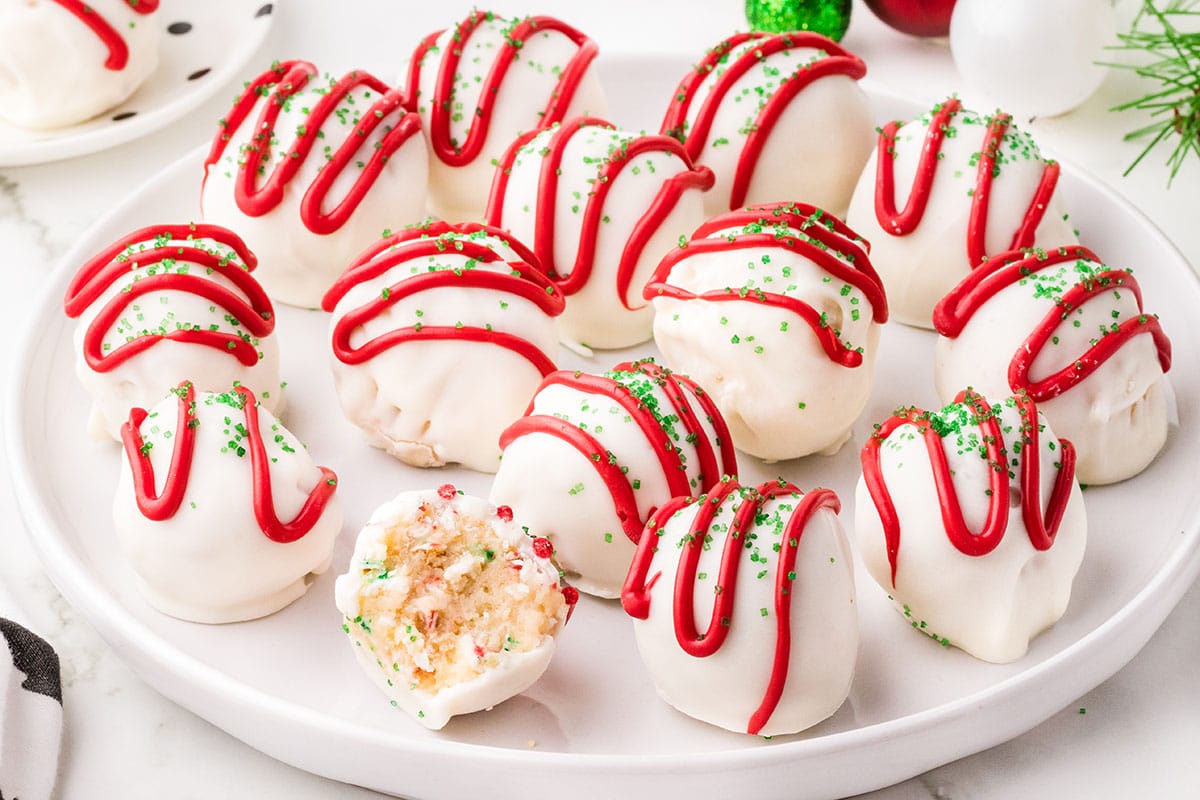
(446, 597)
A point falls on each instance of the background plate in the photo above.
(193, 65)
(593, 727)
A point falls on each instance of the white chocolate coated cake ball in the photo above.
(972, 521)
(487, 80)
(440, 335)
(744, 607)
(775, 311)
(220, 510)
(311, 169)
(944, 192)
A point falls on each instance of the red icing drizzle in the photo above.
(278, 84)
(251, 309)
(902, 223)
(524, 279)
(635, 595)
(457, 154)
(838, 252)
(957, 308)
(118, 51)
(680, 391)
(672, 188)
(160, 507)
(1041, 529)
(838, 62)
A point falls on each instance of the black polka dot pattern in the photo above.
(179, 28)
(264, 10)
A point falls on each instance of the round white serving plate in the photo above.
(592, 727)
(205, 45)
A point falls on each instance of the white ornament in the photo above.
(1031, 57)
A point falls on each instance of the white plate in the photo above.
(592, 726)
(205, 45)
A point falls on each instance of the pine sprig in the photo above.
(1175, 65)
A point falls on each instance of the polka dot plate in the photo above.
(205, 46)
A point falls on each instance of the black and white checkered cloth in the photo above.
(30, 714)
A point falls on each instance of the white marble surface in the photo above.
(1141, 728)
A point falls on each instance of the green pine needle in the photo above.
(1175, 66)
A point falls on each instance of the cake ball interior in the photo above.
(444, 599)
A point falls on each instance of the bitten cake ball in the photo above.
(220, 511)
(594, 455)
(775, 310)
(440, 336)
(945, 191)
(451, 608)
(1072, 333)
(600, 207)
(744, 610)
(777, 117)
(309, 169)
(65, 61)
(973, 522)
(165, 304)
(484, 82)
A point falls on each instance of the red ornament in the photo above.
(915, 17)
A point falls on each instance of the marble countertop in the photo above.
(1135, 735)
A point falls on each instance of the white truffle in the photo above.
(946, 190)
(764, 642)
(219, 510)
(775, 310)
(596, 454)
(165, 304)
(1072, 332)
(59, 66)
(777, 117)
(600, 207)
(450, 608)
(972, 521)
(429, 321)
(310, 170)
(485, 81)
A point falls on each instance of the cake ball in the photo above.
(450, 607)
(600, 207)
(65, 61)
(427, 322)
(310, 169)
(776, 117)
(1072, 333)
(775, 310)
(973, 522)
(220, 510)
(595, 455)
(971, 186)
(743, 606)
(486, 81)
(165, 304)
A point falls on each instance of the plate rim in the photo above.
(1151, 603)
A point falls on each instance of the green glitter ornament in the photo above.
(827, 17)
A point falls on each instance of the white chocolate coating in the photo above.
(461, 192)
(506, 674)
(211, 562)
(814, 152)
(421, 400)
(919, 268)
(989, 605)
(557, 491)
(1117, 417)
(777, 387)
(728, 686)
(144, 379)
(297, 265)
(52, 65)
(598, 314)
